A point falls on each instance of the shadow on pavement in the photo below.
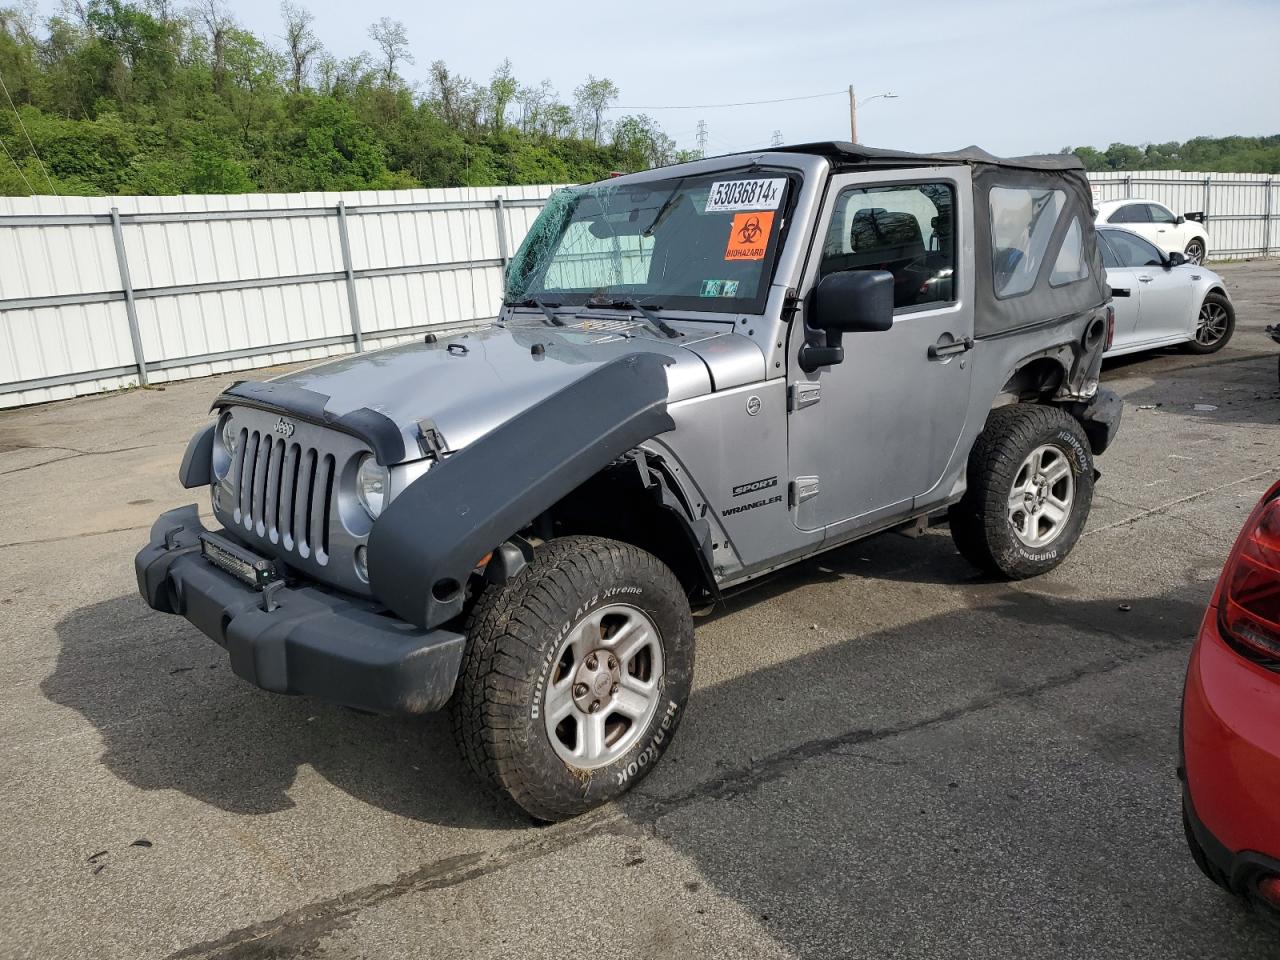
(173, 716)
(993, 781)
(996, 780)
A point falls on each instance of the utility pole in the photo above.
(853, 116)
(777, 138)
(702, 138)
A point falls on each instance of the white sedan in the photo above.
(1171, 232)
(1162, 300)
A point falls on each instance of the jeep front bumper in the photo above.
(298, 639)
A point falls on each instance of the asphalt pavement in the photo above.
(885, 755)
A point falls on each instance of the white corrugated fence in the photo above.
(101, 293)
(1239, 209)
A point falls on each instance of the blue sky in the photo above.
(1013, 76)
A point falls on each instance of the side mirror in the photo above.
(1181, 220)
(852, 301)
(1175, 259)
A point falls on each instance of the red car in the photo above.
(1231, 721)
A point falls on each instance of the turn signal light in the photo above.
(1250, 605)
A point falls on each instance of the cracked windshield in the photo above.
(693, 243)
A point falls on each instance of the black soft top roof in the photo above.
(855, 154)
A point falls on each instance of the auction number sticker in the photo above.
(728, 195)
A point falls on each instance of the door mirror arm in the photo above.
(821, 348)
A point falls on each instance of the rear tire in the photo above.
(575, 676)
(1030, 486)
(1215, 324)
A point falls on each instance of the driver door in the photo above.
(871, 437)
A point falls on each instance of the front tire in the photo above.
(1195, 251)
(1030, 487)
(1215, 324)
(575, 676)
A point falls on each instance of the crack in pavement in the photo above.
(75, 453)
(1164, 507)
(298, 931)
(87, 533)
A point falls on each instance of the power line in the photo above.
(23, 127)
(744, 103)
(18, 168)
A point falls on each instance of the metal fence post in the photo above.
(1266, 218)
(1208, 192)
(352, 303)
(130, 306)
(1128, 186)
(501, 213)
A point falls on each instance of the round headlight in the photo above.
(372, 480)
(224, 446)
(227, 434)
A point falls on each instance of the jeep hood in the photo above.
(464, 385)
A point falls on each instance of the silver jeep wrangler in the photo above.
(701, 373)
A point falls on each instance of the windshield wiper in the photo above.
(631, 303)
(548, 309)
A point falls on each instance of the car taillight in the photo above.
(1111, 327)
(1250, 604)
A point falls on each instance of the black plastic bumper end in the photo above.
(313, 642)
(1101, 419)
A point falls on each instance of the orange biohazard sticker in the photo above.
(749, 236)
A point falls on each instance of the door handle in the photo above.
(1146, 279)
(940, 351)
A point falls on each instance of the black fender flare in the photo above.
(425, 544)
(197, 460)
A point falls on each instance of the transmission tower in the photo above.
(702, 138)
(777, 138)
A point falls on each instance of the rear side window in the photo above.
(1070, 265)
(1109, 259)
(1131, 213)
(1022, 222)
(1133, 251)
(906, 229)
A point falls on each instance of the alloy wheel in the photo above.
(1042, 495)
(605, 686)
(1211, 325)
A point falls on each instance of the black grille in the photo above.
(282, 492)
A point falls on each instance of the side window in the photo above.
(1109, 258)
(1133, 251)
(1022, 222)
(907, 229)
(1159, 214)
(1131, 213)
(1070, 265)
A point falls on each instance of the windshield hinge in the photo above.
(803, 393)
(802, 489)
(790, 304)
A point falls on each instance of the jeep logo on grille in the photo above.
(284, 427)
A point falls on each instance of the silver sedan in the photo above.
(1162, 300)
